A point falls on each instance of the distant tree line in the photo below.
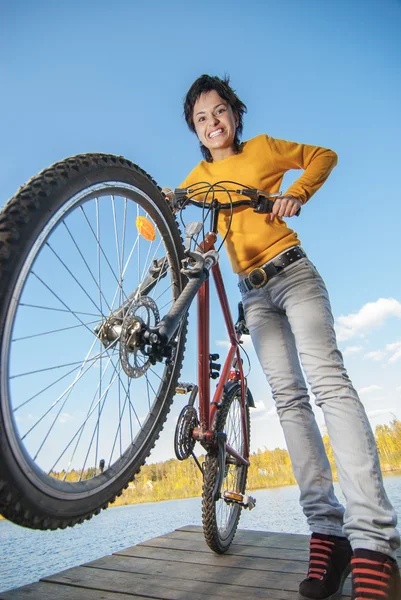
(174, 479)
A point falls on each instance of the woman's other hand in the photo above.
(168, 192)
(285, 206)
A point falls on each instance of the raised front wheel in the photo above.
(89, 253)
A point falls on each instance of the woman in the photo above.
(288, 314)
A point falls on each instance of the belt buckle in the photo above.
(260, 278)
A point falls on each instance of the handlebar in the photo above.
(260, 201)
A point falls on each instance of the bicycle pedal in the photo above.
(242, 499)
(184, 388)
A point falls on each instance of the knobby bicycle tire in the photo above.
(219, 535)
(73, 193)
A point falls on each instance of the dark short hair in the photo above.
(203, 85)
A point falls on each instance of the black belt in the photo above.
(258, 277)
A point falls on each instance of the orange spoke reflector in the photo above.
(145, 228)
(233, 496)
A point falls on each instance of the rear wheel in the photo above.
(88, 249)
(220, 517)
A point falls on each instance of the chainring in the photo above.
(184, 443)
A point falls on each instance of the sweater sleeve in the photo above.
(316, 162)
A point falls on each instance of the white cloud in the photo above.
(24, 419)
(246, 339)
(371, 315)
(394, 348)
(378, 412)
(352, 350)
(262, 412)
(368, 389)
(65, 418)
(391, 353)
(377, 355)
(224, 343)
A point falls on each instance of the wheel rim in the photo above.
(71, 411)
(227, 513)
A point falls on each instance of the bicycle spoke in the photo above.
(118, 432)
(98, 393)
(99, 246)
(86, 264)
(117, 241)
(75, 279)
(62, 302)
(98, 417)
(45, 389)
(67, 391)
(47, 308)
(123, 248)
(28, 337)
(132, 406)
(78, 432)
(52, 368)
(148, 262)
(95, 433)
(96, 357)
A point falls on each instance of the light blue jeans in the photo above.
(291, 323)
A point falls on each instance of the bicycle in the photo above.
(81, 412)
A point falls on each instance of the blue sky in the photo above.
(99, 76)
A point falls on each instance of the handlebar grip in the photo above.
(264, 206)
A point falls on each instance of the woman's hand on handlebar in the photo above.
(169, 196)
(285, 206)
(167, 192)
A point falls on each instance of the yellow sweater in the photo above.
(253, 239)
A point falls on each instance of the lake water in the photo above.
(27, 555)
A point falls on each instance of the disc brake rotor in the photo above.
(142, 313)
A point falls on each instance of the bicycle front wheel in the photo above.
(220, 517)
(88, 249)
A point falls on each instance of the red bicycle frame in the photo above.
(207, 409)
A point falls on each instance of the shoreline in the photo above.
(388, 473)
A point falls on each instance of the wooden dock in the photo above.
(179, 566)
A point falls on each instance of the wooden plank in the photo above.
(162, 588)
(51, 591)
(210, 573)
(261, 539)
(283, 565)
(196, 542)
(235, 549)
(250, 537)
(179, 565)
(246, 579)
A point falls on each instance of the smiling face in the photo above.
(215, 124)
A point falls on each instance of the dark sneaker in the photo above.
(329, 566)
(375, 576)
